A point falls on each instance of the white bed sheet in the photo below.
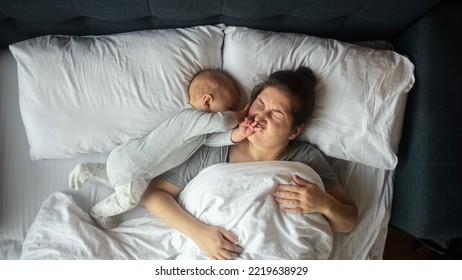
(26, 184)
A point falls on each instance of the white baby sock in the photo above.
(88, 170)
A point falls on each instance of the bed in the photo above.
(35, 197)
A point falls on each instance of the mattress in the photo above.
(26, 184)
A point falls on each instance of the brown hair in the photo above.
(299, 84)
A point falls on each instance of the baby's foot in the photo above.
(78, 176)
(88, 170)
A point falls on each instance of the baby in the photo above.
(207, 119)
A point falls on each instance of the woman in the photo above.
(280, 107)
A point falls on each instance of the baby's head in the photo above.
(213, 91)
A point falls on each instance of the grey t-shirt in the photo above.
(206, 156)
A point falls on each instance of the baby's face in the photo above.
(227, 99)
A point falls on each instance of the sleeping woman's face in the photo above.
(272, 111)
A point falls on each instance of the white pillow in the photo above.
(361, 92)
(81, 95)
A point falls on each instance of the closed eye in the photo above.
(279, 116)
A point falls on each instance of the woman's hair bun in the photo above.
(308, 74)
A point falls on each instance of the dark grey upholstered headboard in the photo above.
(428, 183)
(344, 20)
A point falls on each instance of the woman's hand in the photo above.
(217, 243)
(302, 198)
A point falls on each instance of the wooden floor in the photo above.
(401, 246)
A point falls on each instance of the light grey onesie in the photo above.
(169, 145)
(131, 165)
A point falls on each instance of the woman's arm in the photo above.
(215, 242)
(304, 197)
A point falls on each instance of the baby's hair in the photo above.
(209, 82)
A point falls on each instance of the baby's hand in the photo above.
(246, 128)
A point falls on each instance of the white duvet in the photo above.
(234, 196)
